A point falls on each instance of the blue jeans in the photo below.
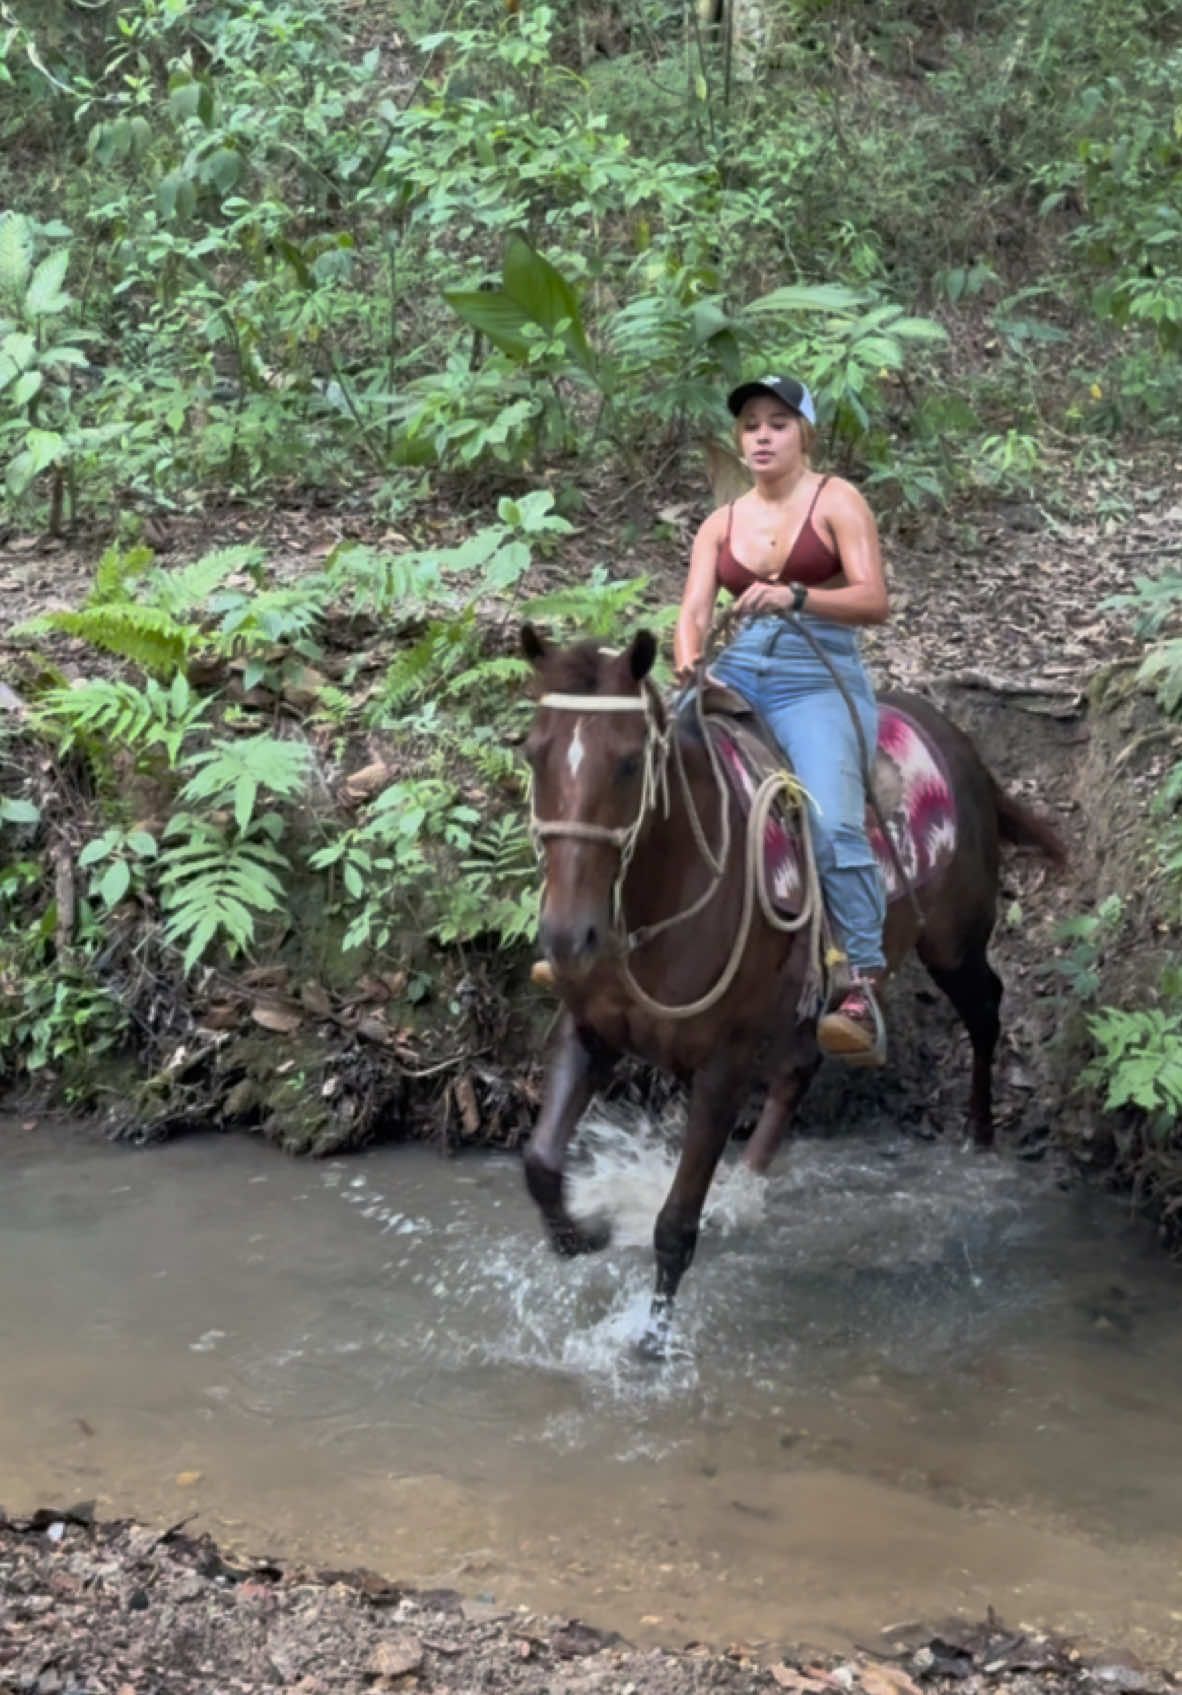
(772, 665)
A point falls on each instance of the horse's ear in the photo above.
(532, 644)
(641, 654)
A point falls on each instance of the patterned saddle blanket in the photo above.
(910, 780)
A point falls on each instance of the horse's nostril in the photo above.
(590, 939)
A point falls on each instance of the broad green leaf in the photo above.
(44, 292)
(25, 387)
(45, 447)
(139, 841)
(508, 565)
(14, 811)
(16, 254)
(64, 354)
(495, 315)
(809, 297)
(115, 882)
(533, 283)
(223, 168)
(20, 349)
(33, 459)
(183, 99)
(919, 329)
(706, 320)
(95, 850)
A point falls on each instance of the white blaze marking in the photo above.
(574, 755)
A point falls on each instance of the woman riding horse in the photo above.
(804, 543)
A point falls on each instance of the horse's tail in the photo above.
(1020, 824)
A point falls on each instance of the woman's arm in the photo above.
(701, 591)
(862, 598)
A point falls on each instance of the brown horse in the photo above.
(637, 927)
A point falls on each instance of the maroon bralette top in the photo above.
(811, 561)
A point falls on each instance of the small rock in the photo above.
(395, 1657)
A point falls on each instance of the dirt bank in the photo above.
(119, 1609)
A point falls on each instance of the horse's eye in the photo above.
(627, 767)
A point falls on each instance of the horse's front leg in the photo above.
(713, 1107)
(581, 1064)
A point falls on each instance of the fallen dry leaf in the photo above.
(369, 780)
(879, 1679)
(222, 1015)
(315, 997)
(791, 1677)
(282, 1019)
(186, 1479)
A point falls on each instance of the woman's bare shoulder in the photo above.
(717, 523)
(839, 495)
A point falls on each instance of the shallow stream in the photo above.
(909, 1383)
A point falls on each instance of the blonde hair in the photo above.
(808, 437)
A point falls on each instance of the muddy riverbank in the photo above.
(123, 1608)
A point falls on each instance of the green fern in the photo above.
(120, 713)
(267, 616)
(144, 634)
(187, 588)
(213, 888)
(415, 671)
(1153, 601)
(116, 570)
(382, 583)
(1162, 667)
(503, 672)
(596, 608)
(232, 773)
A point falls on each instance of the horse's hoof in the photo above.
(653, 1346)
(571, 1239)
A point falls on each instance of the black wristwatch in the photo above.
(799, 595)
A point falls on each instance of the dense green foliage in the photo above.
(304, 239)
(246, 246)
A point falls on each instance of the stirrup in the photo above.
(876, 1053)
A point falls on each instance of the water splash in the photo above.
(627, 1161)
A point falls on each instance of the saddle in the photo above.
(911, 786)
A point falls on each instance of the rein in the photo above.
(660, 737)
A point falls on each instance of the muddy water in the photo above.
(908, 1383)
